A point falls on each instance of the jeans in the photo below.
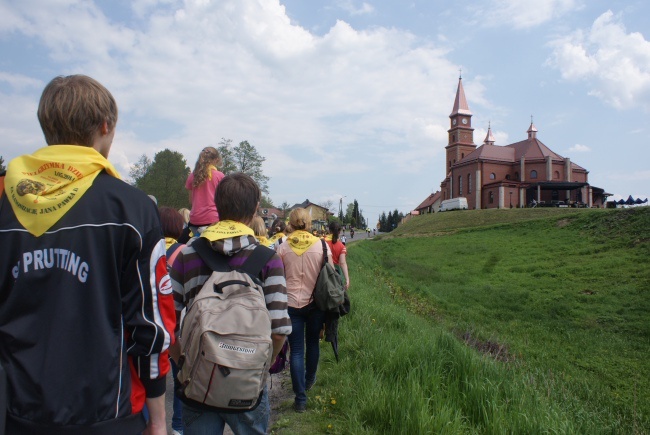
(306, 324)
(177, 417)
(200, 422)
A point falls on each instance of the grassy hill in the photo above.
(493, 321)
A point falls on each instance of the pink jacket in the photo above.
(301, 271)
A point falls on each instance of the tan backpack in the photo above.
(226, 335)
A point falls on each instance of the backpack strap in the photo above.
(173, 251)
(324, 252)
(252, 266)
(215, 262)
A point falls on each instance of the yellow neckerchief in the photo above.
(169, 241)
(210, 168)
(300, 241)
(328, 238)
(226, 230)
(277, 236)
(264, 241)
(44, 186)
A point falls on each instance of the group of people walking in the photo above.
(95, 280)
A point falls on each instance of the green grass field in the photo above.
(493, 321)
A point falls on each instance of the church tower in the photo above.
(461, 133)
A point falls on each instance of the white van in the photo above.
(459, 203)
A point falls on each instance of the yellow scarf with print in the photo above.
(42, 187)
(300, 241)
(169, 241)
(275, 238)
(226, 230)
(210, 168)
(264, 241)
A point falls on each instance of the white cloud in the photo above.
(349, 7)
(521, 14)
(577, 148)
(614, 63)
(198, 71)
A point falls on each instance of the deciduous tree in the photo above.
(165, 179)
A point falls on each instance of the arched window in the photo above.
(469, 183)
(533, 174)
(460, 184)
(493, 176)
(507, 176)
(556, 175)
(491, 201)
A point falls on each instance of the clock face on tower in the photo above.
(464, 120)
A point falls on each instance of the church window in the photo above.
(460, 184)
(491, 198)
(493, 176)
(507, 176)
(556, 175)
(533, 174)
(469, 183)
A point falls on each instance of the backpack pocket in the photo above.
(229, 372)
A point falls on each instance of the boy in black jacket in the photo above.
(86, 311)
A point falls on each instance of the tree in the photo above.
(140, 169)
(266, 202)
(329, 205)
(2, 164)
(285, 209)
(243, 158)
(226, 152)
(353, 216)
(165, 179)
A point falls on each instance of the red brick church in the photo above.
(515, 175)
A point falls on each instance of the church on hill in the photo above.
(520, 174)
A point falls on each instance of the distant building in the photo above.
(430, 205)
(269, 214)
(318, 213)
(514, 175)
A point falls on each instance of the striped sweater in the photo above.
(189, 273)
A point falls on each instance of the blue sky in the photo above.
(344, 98)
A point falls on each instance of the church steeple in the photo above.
(460, 104)
(461, 133)
(489, 138)
(532, 130)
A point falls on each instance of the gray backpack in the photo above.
(226, 335)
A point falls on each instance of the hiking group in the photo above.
(102, 293)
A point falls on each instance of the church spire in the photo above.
(460, 104)
(532, 130)
(489, 138)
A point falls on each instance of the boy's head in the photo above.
(237, 197)
(73, 109)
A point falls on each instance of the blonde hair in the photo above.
(258, 226)
(185, 212)
(299, 219)
(209, 156)
(73, 108)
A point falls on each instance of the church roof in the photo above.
(460, 104)
(530, 149)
